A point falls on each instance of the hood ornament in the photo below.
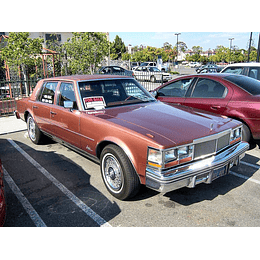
(211, 127)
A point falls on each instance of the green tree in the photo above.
(222, 54)
(167, 46)
(21, 51)
(182, 46)
(117, 48)
(126, 56)
(197, 49)
(85, 51)
(203, 59)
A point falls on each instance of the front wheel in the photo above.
(118, 174)
(153, 79)
(34, 132)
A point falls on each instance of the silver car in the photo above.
(151, 73)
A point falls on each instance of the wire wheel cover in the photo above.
(112, 173)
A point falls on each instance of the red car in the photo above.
(135, 138)
(234, 96)
(2, 196)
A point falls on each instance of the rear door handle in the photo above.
(53, 113)
(35, 107)
(215, 107)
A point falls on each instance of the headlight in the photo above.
(170, 157)
(155, 157)
(185, 152)
(236, 135)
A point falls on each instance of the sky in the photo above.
(204, 39)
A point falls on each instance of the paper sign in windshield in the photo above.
(94, 102)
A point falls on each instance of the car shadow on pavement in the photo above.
(54, 207)
(221, 186)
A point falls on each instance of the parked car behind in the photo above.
(194, 64)
(136, 139)
(209, 66)
(134, 65)
(152, 74)
(115, 70)
(235, 96)
(148, 64)
(208, 70)
(2, 196)
(250, 69)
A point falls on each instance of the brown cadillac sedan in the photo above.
(135, 138)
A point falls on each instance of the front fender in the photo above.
(132, 151)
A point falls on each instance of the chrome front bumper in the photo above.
(205, 170)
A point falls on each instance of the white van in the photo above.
(250, 69)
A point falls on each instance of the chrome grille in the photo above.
(205, 148)
(223, 142)
(211, 144)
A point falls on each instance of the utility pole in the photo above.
(230, 39)
(249, 48)
(258, 49)
(177, 34)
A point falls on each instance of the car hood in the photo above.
(165, 124)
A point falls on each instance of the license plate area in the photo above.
(220, 172)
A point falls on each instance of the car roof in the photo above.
(211, 75)
(245, 64)
(205, 75)
(86, 77)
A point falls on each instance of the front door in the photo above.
(66, 121)
(175, 92)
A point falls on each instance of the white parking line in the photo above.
(25, 203)
(251, 165)
(244, 177)
(99, 220)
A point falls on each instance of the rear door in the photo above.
(209, 95)
(42, 106)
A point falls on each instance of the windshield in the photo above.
(99, 94)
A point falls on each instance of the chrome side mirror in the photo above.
(68, 104)
(154, 93)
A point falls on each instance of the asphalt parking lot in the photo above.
(50, 185)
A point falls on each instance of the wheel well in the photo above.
(243, 122)
(26, 114)
(101, 146)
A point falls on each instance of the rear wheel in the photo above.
(118, 174)
(34, 132)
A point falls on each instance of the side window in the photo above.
(176, 89)
(207, 88)
(48, 92)
(117, 70)
(234, 70)
(67, 94)
(254, 73)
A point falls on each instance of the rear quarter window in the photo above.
(252, 86)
